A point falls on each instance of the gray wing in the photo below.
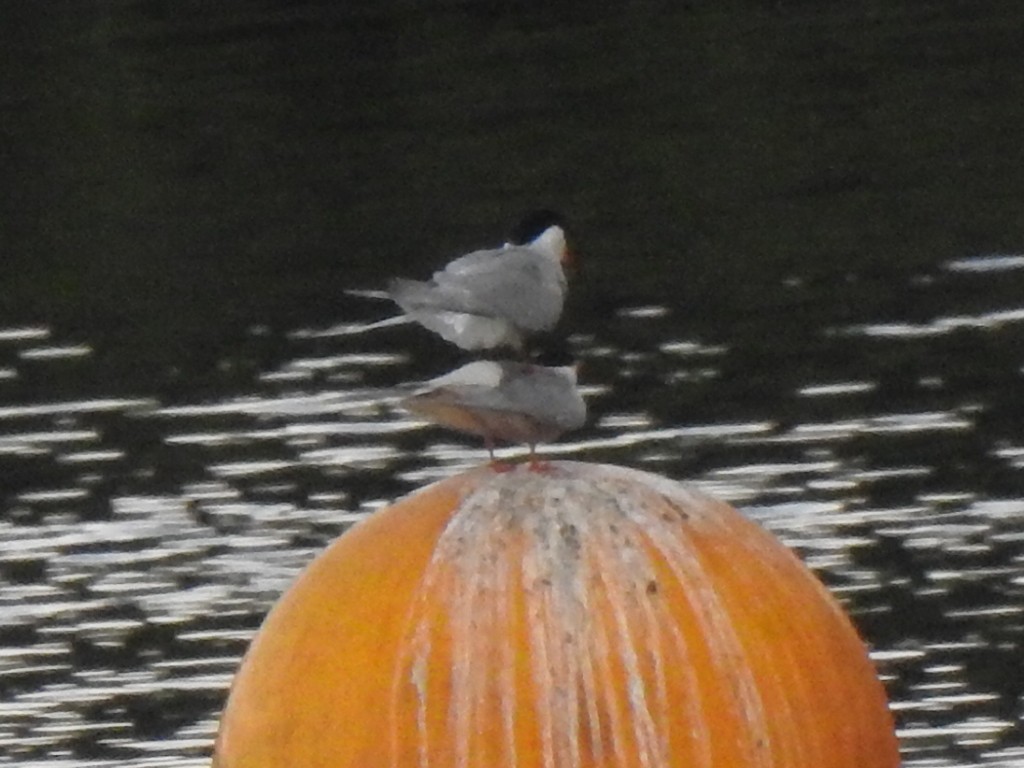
(551, 404)
(518, 284)
(450, 290)
(471, 396)
(448, 316)
(545, 395)
(535, 391)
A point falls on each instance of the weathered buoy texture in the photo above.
(581, 617)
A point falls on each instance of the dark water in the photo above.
(802, 275)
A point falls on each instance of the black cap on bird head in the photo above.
(534, 224)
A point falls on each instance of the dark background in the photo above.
(801, 239)
(177, 171)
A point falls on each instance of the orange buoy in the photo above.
(580, 617)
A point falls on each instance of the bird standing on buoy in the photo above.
(504, 401)
(494, 297)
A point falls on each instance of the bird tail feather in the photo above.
(364, 294)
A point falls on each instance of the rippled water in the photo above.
(801, 277)
(144, 540)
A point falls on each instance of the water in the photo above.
(800, 289)
(143, 541)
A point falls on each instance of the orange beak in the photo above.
(570, 261)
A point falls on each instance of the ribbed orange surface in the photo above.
(588, 616)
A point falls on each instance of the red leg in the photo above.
(537, 465)
(494, 464)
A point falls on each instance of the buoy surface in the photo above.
(583, 616)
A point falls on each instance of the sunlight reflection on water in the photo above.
(143, 542)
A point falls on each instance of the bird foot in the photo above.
(543, 467)
(501, 467)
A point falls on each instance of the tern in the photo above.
(503, 401)
(494, 297)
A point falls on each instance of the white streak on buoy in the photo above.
(574, 554)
